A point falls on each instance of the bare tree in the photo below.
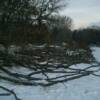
(59, 21)
(46, 8)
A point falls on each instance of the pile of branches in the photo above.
(46, 66)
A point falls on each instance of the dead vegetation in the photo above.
(46, 66)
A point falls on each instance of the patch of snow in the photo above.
(2, 48)
(96, 53)
(13, 49)
(43, 63)
(40, 46)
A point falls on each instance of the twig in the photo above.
(11, 92)
(17, 75)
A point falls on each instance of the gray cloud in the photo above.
(83, 12)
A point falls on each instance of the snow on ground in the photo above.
(86, 88)
(96, 53)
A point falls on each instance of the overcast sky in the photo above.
(83, 12)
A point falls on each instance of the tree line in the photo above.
(89, 36)
(38, 21)
(28, 21)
